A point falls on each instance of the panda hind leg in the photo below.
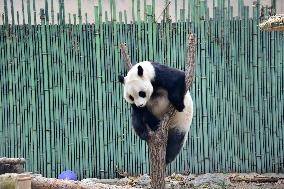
(174, 145)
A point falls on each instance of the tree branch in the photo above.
(125, 56)
(158, 140)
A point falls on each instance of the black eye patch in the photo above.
(142, 94)
(131, 98)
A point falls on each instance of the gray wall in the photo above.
(87, 6)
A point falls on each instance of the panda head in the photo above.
(137, 85)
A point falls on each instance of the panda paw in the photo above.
(180, 107)
(177, 102)
(143, 135)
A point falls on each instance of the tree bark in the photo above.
(158, 140)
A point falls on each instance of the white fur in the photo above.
(182, 120)
(148, 73)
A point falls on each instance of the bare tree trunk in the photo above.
(158, 140)
(157, 146)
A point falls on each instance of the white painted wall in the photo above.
(88, 7)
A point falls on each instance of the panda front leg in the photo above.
(176, 93)
(177, 100)
(138, 122)
(151, 120)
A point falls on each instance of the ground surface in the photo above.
(176, 181)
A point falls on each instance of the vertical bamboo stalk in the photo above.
(29, 12)
(52, 12)
(12, 12)
(6, 12)
(46, 88)
(133, 11)
(23, 12)
(150, 32)
(46, 11)
(34, 10)
(2, 135)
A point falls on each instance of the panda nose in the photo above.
(140, 105)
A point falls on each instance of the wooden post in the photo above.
(15, 181)
(158, 140)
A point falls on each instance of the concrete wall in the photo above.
(87, 6)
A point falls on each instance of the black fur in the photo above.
(140, 70)
(174, 145)
(141, 117)
(121, 79)
(172, 80)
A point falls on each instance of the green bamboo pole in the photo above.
(9, 60)
(46, 89)
(2, 135)
(52, 12)
(99, 100)
(56, 139)
(6, 12)
(3, 92)
(133, 11)
(80, 88)
(215, 104)
(52, 84)
(29, 12)
(257, 86)
(150, 32)
(4, 80)
(139, 27)
(49, 129)
(103, 76)
(176, 11)
(23, 12)
(88, 113)
(34, 10)
(69, 44)
(3, 18)
(264, 100)
(20, 98)
(12, 12)
(79, 12)
(34, 50)
(73, 104)
(144, 11)
(46, 11)
(107, 84)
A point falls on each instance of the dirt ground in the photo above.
(177, 181)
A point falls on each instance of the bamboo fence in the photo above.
(62, 107)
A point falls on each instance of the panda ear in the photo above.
(140, 70)
(121, 79)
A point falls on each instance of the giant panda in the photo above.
(150, 88)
